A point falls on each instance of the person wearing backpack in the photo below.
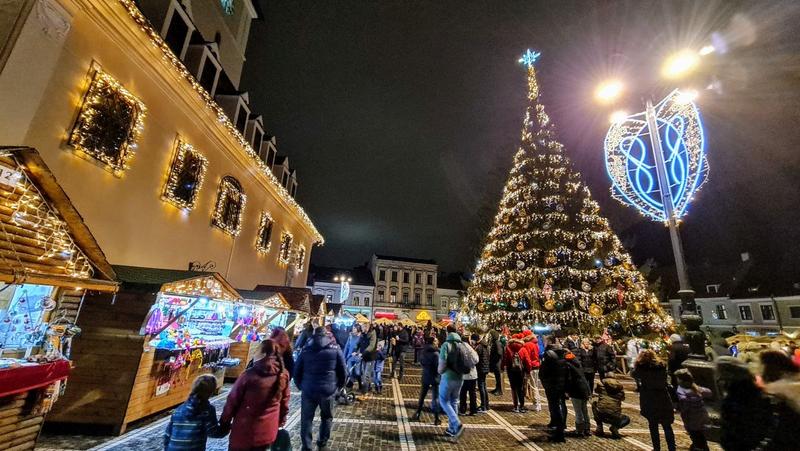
(469, 387)
(454, 362)
(517, 362)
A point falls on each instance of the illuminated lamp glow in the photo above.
(680, 64)
(608, 91)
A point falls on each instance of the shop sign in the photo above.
(162, 389)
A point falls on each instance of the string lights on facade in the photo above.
(186, 175)
(222, 117)
(285, 250)
(229, 209)
(109, 123)
(263, 241)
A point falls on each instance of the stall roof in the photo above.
(317, 304)
(157, 277)
(266, 298)
(53, 205)
(298, 298)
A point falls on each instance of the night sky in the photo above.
(402, 117)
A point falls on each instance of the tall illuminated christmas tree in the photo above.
(550, 256)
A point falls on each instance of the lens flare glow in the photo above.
(608, 91)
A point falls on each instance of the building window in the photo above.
(271, 154)
(429, 299)
(285, 251)
(405, 298)
(712, 289)
(355, 300)
(417, 278)
(382, 275)
(366, 301)
(405, 277)
(394, 276)
(209, 71)
(300, 257)
(794, 311)
(745, 313)
(417, 298)
(722, 312)
(430, 279)
(177, 29)
(186, 174)
(443, 304)
(241, 116)
(109, 123)
(284, 179)
(230, 206)
(767, 313)
(380, 296)
(264, 233)
(393, 297)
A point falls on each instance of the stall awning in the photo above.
(43, 238)
(387, 315)
(423, 316)
(298, 298)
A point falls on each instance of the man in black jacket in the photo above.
(367, 346)
(402, 340)
(483, 367)
(495, 358)
(604, 357)
(553, 374)
(429, 360)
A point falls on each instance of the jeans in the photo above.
(367, 369)
(449, 391)
(484, 394)
(399, 359)
(468, 388)
(581, 414)
(669, 436)
(517, 382)
(308, 408)
(557, 406)
(434, 388)
(378, 373)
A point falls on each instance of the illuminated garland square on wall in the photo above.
(285, 251)
(109, 123)
(230, 206)
(301, 256)
(186, 175)
(264, 233)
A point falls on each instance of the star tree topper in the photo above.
(529, 57)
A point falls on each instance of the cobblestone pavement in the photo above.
(381, 422)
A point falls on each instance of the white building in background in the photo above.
(404, 287)
(353, 289)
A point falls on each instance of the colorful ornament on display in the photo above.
(609, 261)
(586, 286)
(512, 284)
(520, 246)
(620, 293)
(551, 259)
(550, 304)
(514, 304)
(581, 245)
(547, 290)
(506, 219)
(520, 264)
(559, 306)
(560, 207)
(546, 225)
(595, 310)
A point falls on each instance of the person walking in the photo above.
(380, 360)
(495, 359)
(483, 348)
(429, 360)
(678, 353)
(195, 420)
(258, 403)
(604, 357)
(553, 373)
(319, 372)
(367, 346)
(402, 341)
(655, 402)
(516, 362)
(692, 408)
(585, 355)
(305, 335)
(352, 356)
(469, 387)
(532, 375)
(418, 342)
(578, 390)
(284, 348)
(451, 380)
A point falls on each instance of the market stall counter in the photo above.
(141, 350)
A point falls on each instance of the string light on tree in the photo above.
(539, 259)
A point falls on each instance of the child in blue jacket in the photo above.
(195, 420)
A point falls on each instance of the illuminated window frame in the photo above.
(229, 188)
(263, 243)
(101, 86)
(285, 250)
(182, 150)
(300, 258)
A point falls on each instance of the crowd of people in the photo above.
(326, 362)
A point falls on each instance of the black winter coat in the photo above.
(401, 345)
(586, 358)
(484, 357)
(553, 371)
(429, 360)
(654, 400)
(604, 358)
(495, 352)
(576, 387)
(320, 368)
(678, 352)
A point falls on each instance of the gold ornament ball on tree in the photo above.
(550, 304)
(520, 264)
(512, 284)
(595, 310)
(520, 246)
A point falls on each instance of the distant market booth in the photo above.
(49, 262)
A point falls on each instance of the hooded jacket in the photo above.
(257, 404)
(785, 397)
(654, 400)
(532, 346)
(692, 408)
(190, 425)
(429, 360)
(516, 346)
(368, 344)
(554, 371)
(610, 394)
(320, 368)
(484, 356)
(576, 384)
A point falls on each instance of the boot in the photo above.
(615, 433)
(416, 415)
(599, 431)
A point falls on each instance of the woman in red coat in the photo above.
(258, 403)
(517, 362)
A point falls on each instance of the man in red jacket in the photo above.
(532, 377)
(517, 362)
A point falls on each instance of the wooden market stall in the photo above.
(49, 261)
(271, 310)
(141, 349)
(300, 300)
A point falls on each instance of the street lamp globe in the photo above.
(680, 64)
(608, 91)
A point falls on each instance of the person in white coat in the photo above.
(470, 382)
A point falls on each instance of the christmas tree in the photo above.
(550, 257)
